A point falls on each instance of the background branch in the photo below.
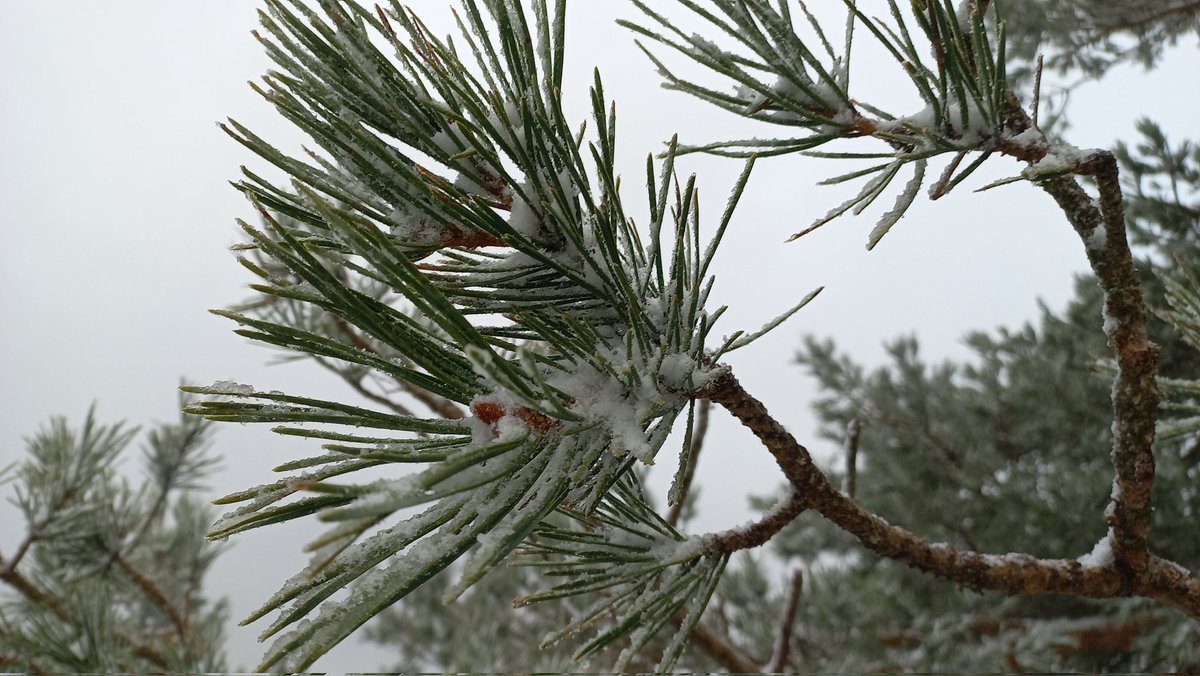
(783, 639)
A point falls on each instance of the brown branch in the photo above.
(759, 532)
(156, 596)
(689, 475)
(1135, 394)
(22, 549)
(783, 640)
(940, 188)
(440, 405)
(1101, 226)
(1010, 573)
(853, 432)
(718, 648)
(27, 589)
(1037, 90)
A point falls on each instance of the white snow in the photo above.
(1110, 322)
(1101, 555)
(676, 370)
(231, 387)
(443, 142)
(523, 218)
(973, 129)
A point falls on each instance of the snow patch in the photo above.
(231, 387)
(523, 218)
(1101, 555)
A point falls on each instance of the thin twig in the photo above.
(940, 188)
(699, 431)
(156, 596)
(21, 551)
(1037, 91)
(853, 431)
(758, 532)
(356, 383)
(783, 638)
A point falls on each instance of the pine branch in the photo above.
(1135, 391)
(760, 532)
(1135, 397)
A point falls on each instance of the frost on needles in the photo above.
(504, 278)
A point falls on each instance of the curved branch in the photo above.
(759, 532)
(1011, 573)
(1135, 394)
(1101, 226)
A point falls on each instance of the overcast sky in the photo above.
(117, 216)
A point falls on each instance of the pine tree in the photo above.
(110, 577)
(457, 241)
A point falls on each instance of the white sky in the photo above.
(116, 217)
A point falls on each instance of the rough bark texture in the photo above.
(1010, 573)
(1135, 394)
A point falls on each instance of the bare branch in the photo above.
(719, 649)
(783, 639)
(22, 549)
(853, 432)
(1135, 393)
(1037, 90)
(1011, 573)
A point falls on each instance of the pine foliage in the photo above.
(1083, 37)
(456, 241)
(573, 347)
(109, 576)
